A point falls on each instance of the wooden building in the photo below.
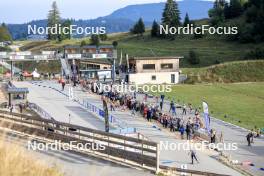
(153, 70)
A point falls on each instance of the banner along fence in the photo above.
(132, 151)
(122, 126)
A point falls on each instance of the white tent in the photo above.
(35, 74)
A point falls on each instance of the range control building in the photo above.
(153, 70)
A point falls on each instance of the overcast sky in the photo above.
(21, 11)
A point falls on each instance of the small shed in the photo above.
(17, 95)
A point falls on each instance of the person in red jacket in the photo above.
(62, 84)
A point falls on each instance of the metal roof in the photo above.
(89, 46)
(71, 46)
(96, 61)
(14, 90)
(157, 58)
(106, 46)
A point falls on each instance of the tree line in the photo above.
(4, 33)
(55, 19)
(248, 16)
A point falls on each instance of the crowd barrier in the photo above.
(122, 127)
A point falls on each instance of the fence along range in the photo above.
(128, 150)
(132, 151)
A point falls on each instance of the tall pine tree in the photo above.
(53, 20)
(171, 15)
(67, 35)
(4, 33)
(155, 29)
(217, 13)
(186, 20)
(235, 8)
(139, 27)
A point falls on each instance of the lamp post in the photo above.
(114, 61)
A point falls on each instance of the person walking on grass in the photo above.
(193, 156)
(171, 105)
(173, 108)
(184, 110)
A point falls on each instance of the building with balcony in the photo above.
(95, 68)
(88, 51)
(90, 61)
(153, 70)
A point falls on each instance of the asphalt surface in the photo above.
(46, 95)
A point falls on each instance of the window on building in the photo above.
(153, 77)
(105, 68)
(166, 66)
(93, 66)
(149, 66)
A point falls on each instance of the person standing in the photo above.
(184, 110)
(20, 108)
(249, 136)
(162, 97)
(11, 108)
(221, 138)
(181, 129)
(146, 97)
(188, 131)
(161, 105)
(112, 105)
(173, 108)
(62, 84)
(213, 136)
(193, 156)
(171, 105)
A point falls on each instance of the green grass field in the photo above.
(241, 103)
(229, 72)
(208, 49)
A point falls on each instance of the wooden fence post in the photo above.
(157, 158)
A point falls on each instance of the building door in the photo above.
(127, 79)
(173, 78)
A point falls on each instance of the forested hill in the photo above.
(123, 19)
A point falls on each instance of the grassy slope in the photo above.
(210, 48)
(242, 102)
(15, 161)
(238, 71)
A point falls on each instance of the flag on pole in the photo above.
(206, 116)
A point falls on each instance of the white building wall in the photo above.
(146, 78)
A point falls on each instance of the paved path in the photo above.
(168, 157)
(59, 107)
(234, 134)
